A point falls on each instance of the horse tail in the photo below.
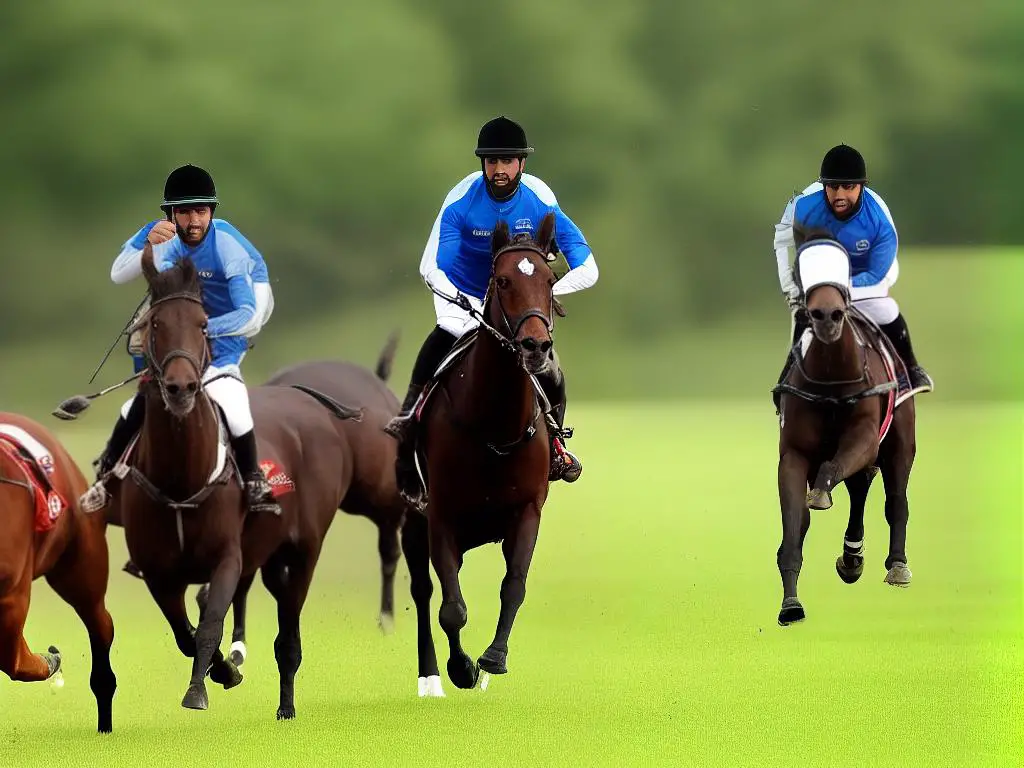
(343, 412)
(387, 357)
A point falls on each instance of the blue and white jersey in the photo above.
(869, 236)
(458, 251)
(229, 268)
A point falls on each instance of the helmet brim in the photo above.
(824, 180)
(196, 200)
(503, 151)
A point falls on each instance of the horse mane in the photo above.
(183, 277)
(544, 240)
(803, 234)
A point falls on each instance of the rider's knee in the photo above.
(882, 310)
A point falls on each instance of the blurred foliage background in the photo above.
(672, 133)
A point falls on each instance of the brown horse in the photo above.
(487, 455)
(842, 419)
(46, 534)
(183, 508)
(369, 457)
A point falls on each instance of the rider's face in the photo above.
(842, 198)
(192, 222)
(500, 171)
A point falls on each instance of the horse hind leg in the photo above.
(415, 546)
(850, 564)
(389, 550)
(896, 477)
(288, 581)
(17, 661)
(518, 550)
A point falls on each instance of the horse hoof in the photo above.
(850, 571)
(463, 672)
(286, 712)
(792, 612)
(226, 673)
(430, 687)
(819, 499)
(899, 575)
(493, 661)
(386, 622)
(196, 697)
(52, 659)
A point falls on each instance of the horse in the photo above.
(372, 491)
(45, 533)
(482, 437)
(843, 417)
(182, 504)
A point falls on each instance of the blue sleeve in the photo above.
(449, 238)
(259, 272)
(138, 241)
(244, 302)
(883, 254)
(570, 239)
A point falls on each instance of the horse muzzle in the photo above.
(827, 324)
(180, 397)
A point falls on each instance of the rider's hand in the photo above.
(161, 232)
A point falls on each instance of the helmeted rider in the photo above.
(842, 203)
(457, 260)
(238, 300)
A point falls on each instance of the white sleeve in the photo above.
(578, 278)
(128, 264)
(783, 242)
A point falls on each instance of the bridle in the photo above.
(156, 367)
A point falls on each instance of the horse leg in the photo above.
(447, 560)
(387, 546)
(416, 548)
(857, 449)
(796, 519)
(81, 581)
(518, 550)
(16, 659)
(210, 632)
(896, 478)
(238, 608)
(288, 581)
(850, 564)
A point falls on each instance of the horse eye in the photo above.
(503, 282)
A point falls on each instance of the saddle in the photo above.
(38, 470)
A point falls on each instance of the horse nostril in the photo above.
(817, 314)
(192, 387)
(837, 315)
(530, 344)
(545, 346)
(173, 389)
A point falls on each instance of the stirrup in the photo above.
(398, 427)
(260, 496)
(94, 499)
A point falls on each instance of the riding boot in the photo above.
(258, 492)
(437, 344)
(899, 335)
(800, 324)
(95, 498)
(564, 465)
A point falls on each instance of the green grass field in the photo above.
(648, 636)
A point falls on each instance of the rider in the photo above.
(457, 263)
(842, 203)
(238, 300)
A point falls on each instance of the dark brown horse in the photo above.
(369, 462)
(44, 533)
(842, 419)
(487, 456)
(183, 508)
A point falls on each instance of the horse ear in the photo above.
(546, 234)
(500, 237)
(189, 274)
(149, 269)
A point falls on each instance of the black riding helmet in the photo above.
(189, 185)
(843, 165)
(502, 137)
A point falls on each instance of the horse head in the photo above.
(174, 337)
(519, 302)
(823, 273)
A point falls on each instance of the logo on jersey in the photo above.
(523, 224)
(863, 245)
(205, 274)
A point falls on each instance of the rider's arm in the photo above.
(883, 252)
(445, 236)
(583, 271)
(783, 242)
(128, 264)
(237, 267)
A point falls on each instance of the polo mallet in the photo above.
(69, 409)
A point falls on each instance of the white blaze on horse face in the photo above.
(526, 267)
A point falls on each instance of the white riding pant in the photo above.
(229, 392)
(874, 300)
(454, 318)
